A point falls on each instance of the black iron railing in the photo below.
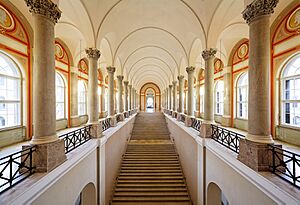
(106, 124)
(227, 138)
(285, 164)
(16, 167)
(76, 138)
(196, 124)
(182, 118)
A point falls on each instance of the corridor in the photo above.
(150, 172)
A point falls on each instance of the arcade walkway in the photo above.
(150, 172)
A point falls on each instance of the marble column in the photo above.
(129, 97)
(167, 98)
(111, 99)
(93, 55)
(208, 56)
(50, 151)
(126, 95)
(226, 118)
(170, 97)
(132, 98)
(254, 149)
(197, 112)
(180, 102)
(120, 96)
(75, 121)
(103, 113)
(174, 97)
(190, 105)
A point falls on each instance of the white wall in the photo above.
(205, 161)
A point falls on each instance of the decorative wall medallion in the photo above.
(59, 52)
(243, 51)
(6, 20)
(293, 22)
(83, 67)
(218, 65)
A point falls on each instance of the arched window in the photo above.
(242, 96)
(60, 96)
(201, 99)
(219, 96)
(81, 98)
(290, 95)
(10, 93)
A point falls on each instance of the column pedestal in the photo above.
(96, 130)
(205, 129)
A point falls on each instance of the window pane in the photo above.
(60, 97)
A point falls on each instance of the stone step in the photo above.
(154, 178)
(152, 199)
(150, 203)
(150, 181)
(152, 193)
(152, 189)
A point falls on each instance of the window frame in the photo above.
(85, 98)
(13, 63)
(65, 97)
(282, 91)
(237, 101)
(221, 98)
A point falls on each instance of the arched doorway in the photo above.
(150, 98)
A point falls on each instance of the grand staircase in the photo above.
(150, 172)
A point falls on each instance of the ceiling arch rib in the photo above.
(154, 47)
(150, 77)
(181, 6)
(151, 28)
(153, 75)
(154, 51)
(150, 67)
(151, 59)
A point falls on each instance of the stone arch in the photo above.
(157, 95)
(214, 194)
(88, 195)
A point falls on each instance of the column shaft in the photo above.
(191, 100)
(181, 84)
(120, 92)
(209, 56)
(174, 95)
(170, 97)
(126, 95)
(111, 99)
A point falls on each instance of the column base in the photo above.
(75, 121)
(96, 130)
(205, 129)
(226, 120)
(188, 121)
(121, 116)
(103, 114)
(48, 156)
(113, 121)
(174, 114)
(197, 114)
(179, 116)
(255, 155)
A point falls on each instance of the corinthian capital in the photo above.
(45, 8)
(180, 78)
(209, 53)
(111, 69)
(259, 8)
(120, 77)
(190, 69)
(93, 53)
(126, 83)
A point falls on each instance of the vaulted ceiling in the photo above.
(150, 40)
